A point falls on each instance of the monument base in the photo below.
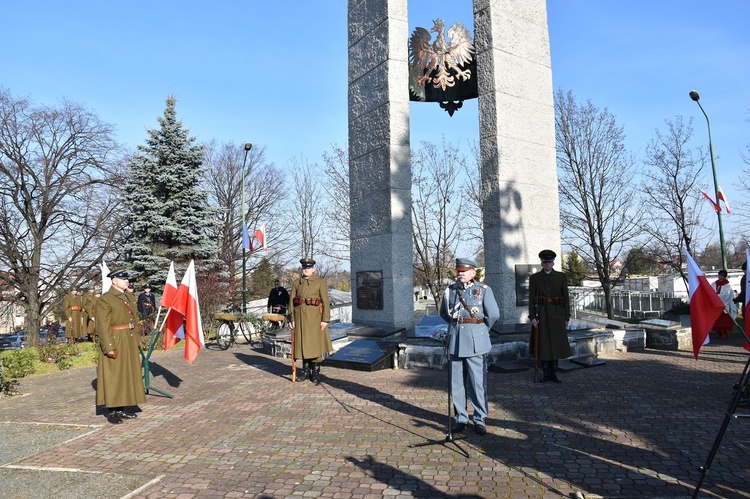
(364, 355)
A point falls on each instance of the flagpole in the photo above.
(248, 146)
(694, 95)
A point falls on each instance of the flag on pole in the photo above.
(260, 235)
(173, 320)
(711, 200)
(705, 304)
(246, 244)
(746, 320)
(106, 281)
(722, 197)
(187, 304)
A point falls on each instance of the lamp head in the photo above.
(248, 146)
(694, 95)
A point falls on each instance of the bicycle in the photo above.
(228, 324)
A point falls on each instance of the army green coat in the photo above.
(74, 315)
(119, 381)
(309, 341)
(553, 335)
(89, 302)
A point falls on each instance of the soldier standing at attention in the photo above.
(73, 310)
(89, 301)
(471, 310)
(549, 312)
(119, 382)
(310, 312)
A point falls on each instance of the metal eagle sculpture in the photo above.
(440, 63)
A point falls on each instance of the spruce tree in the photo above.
(168, 212)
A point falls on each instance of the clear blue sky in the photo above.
(275, 72)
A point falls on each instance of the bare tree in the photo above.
(57, 209)
(265, 200)
(672, 176)
(309, 206)
(337, 171)
(598, 209)
(436, 213)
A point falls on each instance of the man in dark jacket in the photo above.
(549, 312)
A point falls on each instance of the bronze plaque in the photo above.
(370, 290)
(523, 271)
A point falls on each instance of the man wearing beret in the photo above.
(119, 382)
(310, 312)
(470, 309)
(549, 312)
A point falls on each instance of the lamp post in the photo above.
(248, 146)
(694, 95)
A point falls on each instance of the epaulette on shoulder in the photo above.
(483, 285)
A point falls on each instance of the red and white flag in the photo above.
(173, 321)
(746, 320)
(260, 235)
(722, 197)
(711, 200)
(186, 302)
(705, 304)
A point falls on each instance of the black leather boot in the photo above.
(546, 370)
(315, 372)
(304, 373)
(553, 372)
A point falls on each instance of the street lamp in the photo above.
(694, 95)
(248, 146)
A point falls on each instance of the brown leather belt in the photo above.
(559, 300)
(470, 320)
(124, 326)
(298, 300)
(76, 309)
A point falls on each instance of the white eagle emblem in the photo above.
(445, 56)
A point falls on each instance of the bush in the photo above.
(19, 363)
(680, 308)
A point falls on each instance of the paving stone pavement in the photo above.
(639, 426)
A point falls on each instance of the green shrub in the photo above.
(19, 363)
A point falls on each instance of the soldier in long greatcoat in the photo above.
(119, 379)
(73, 310)
(310, 312)
(549, 312)
(89, 302)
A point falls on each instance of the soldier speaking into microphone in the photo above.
(471, 310)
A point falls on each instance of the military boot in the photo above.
(304, 373)
(553, 372)
(315, 372)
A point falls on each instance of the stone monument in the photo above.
(517, 146)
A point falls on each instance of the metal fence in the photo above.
(626, 304)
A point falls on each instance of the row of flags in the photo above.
(706, 306)
(183, 319)
(715, 204)
(259, 235)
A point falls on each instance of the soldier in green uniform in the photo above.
(73, 310)
(89, 301)
(549, 312)
(119, 382)
(310, 312)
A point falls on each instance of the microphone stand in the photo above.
(449, 436)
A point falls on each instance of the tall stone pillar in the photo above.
(517, 144)
(379, 160)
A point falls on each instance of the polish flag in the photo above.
(722, 197)
(260, 235)
(106, 281)
(711, 200)
(173, 320)
(746, 320)
(186, 303)
(705, 305)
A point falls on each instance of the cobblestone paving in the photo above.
(638, 426)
